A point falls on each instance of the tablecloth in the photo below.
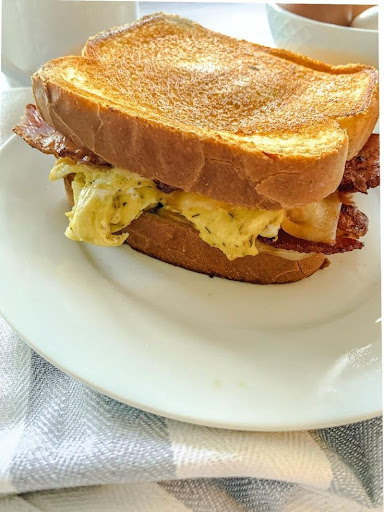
(86, 452)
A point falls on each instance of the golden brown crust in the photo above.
(238, 122)
(179, 244)
(184, 161)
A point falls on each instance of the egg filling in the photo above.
(109, 199)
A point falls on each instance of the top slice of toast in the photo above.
(235, 121)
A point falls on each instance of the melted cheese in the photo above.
(316, 222)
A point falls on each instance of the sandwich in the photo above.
(210, 153)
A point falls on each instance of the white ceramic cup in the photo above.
(35, 31)
(333, 44)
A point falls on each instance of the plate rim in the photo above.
(193, 421)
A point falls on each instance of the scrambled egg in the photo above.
(232, 229)
(106, 200)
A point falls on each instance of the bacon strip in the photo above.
(291, 243)
(38, 134)
(352, 225)
(167, 189)
(363, 171)
(352, 222)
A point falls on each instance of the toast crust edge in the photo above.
(229, 173)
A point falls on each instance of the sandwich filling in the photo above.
(106, 200)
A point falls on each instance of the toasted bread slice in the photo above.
(178, 243)
(232, 120)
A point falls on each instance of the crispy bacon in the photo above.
(363, 171)
(167, 189)
(291, 243)
(38, 134)
(352, 225)
(352, 222)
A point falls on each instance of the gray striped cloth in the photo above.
(65, 447)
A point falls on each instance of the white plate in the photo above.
(180, 344)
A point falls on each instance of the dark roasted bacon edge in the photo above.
(38, 134)
(352, 222)
(291, 243)
(352, 225)
(363, 171)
